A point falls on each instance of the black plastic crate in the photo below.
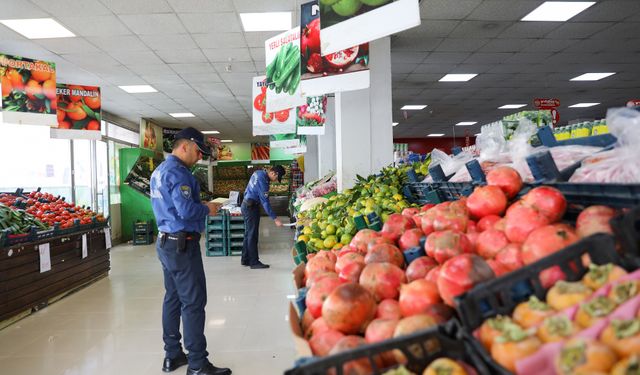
(627, 230)
(420, 348)
(500, 296)
(437, 192)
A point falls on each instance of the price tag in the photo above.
(45, 257)
(107, 238)
(84, 246)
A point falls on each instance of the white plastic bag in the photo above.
(619, 165)
(450, 164)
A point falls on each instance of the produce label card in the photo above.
(85, 249)
(260, 151)
(312, 116)
(28, 91)
(348, 23)
(301, 148)
(284, 140)
(344, 70)
(268, 123)
(79, 112)
(45, 257)
(282, 56)
(107, 238)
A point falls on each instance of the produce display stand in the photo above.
(24, 289)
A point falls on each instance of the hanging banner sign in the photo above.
(150, 136)
(79, 115)
(28, 91)
(345, 70)
(312, 116)
(282, 56)
(168, 134)
(260, 151)
(284, 140)
(268, 123)
(543, 103)
(301, 148)
(348, 23)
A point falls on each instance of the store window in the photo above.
(117, 139)
(82, 172)
(31, 159)
(102, 178)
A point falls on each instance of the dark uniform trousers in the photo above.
(186, 297)
(251, 213)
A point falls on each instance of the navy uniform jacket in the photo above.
(258, 190)
(175, 198)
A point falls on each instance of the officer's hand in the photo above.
(213, 208)
(278, 222)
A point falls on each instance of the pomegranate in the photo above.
(380, 241)
(388, 309)
(382, 280)
(349, 309)
(595, 219)
(521, 220)
(360, 241)
(498, 268)
(451, 220)
(445, 245)
(315, 64)
(473, 240)
(351, 272)
(488, 222)
(460, 274)
(486, 200)
(410, 325)
(317, 264)
(417, 297)
(507, 179)
(318, 326)
(501, 225)
(322, 343)
(360, 366)
(472, 226)
(419, 268)
(347, 259)
(490, 242)
(311, 36)
(426, 222)
(318, 276)
(395, 226)
(380, 330)
(346, 249)
(510, 256)
(548, 200)
(427, 206)
(409, 213)
(342, 59)
(385, 253)
(551, 276)
(547, 240)
(433, 275)
(410, 238)
(327, 254)
(319, 292)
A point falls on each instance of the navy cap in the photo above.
(196, 136)
(279, 171)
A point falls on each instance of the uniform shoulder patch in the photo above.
(185, 190)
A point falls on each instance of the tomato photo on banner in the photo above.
(260, 151)
(320, 74)
(78, 107)
(282, 57)
(268, 123)
(28, 87)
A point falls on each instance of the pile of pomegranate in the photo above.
(366, 293)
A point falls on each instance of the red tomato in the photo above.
(282, 116)
(259, 103)
(267, 117)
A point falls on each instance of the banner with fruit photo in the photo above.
(312, 116)
(322, 75)
(348, 23)
(284, 140)
(28, 91)
(150, 136)
(79, 115)
(282, 56)
(260, 151)
(268, 123)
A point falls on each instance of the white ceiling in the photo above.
(184, 48)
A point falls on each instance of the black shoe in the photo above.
(209, 369)
(259, 265)
(170, 364)
(244, 263)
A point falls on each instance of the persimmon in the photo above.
(92, 102)
(40, 75)
(93, 125)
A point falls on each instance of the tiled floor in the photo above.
(114, 326)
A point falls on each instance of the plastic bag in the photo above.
(450, 164)
(619, 165)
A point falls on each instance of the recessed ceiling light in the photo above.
(435, 135)
(38, 28)
(179, 115)
(138, 89)
(395, 123)
(226, 140)
(583, 105)
(477, 134)
(210, 132)
(268, 21)
(592, 76)
(457, 77)
(557, 10)
(413, 107)
(466, 123)
(512, 106)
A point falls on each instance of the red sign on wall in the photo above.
(556, 116)
(545, 103)
(633, 103)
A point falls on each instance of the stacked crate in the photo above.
(216, 235)
(143, 232)
(236, 233)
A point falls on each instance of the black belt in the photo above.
(189, 236)
(250, 202)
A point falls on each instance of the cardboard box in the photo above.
(298, 276)
(302, 346)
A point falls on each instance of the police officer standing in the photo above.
(257, 191)
(175, 198)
